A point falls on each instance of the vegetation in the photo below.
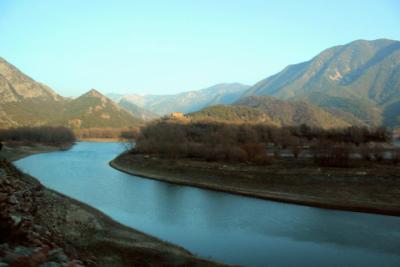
(216, 141)
(93, 110)
(123, 133)
(25, 102)
(43, 135)
(361, 77)
(288, 113)
(236, 114)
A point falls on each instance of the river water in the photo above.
(220, 226)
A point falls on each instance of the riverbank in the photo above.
(40, 220)
(16, 152)
(372, 188)
(101, 140)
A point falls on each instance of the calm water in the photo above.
(221, 226)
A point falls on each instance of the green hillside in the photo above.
(25, 102)
(361, 77)
(235, 113)
(269, 110)
(93, 110)
(293, 112)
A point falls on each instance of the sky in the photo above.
(165, 47)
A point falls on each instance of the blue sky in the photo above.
(164, 47)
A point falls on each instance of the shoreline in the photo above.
(16, 153)
(204, 182)
(94, 233)
(100, 140)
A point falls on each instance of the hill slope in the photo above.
(95, 110)
(360, 77)
(24, 101)
(269, 110)
(189, 101)
(137, 111)
(234, 114)
(293, 112)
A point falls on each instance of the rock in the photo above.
(17, 219)
(39, 257)
(23, 251)
(21, 261)
(50, 264)
(75, 263)
(36, 241)
(10, 257)
(2, 172)
(12, 200)
(3, 197)
(4, 247)
(58, 255)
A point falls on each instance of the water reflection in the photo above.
(226, 227)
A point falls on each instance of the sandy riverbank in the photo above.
(373, 189)
(87, 234)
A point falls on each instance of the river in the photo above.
(220, 226)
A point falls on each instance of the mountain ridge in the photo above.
(275, 112)
(189, 101)
(366, 73)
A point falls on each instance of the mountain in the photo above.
(264, 109)
(23, 101)
(137, 111)
(94, 110)
(293, 112)
(16, 86)
(362, 77)
(190, 101)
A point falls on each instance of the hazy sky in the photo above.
(172, 46)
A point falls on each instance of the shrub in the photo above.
(327, 153)
(216, 141)
(43, 134)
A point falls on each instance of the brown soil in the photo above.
(371, 188)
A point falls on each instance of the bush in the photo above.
(43, 135)
(123, 133)
(327, 153)
(396, 156)
(216, 141)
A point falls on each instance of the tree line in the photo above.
(216, 141)
(42, 134)
(123, 133)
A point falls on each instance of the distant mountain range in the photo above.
(142, 113)
(362, 78)
(353, 84)
(226, 93)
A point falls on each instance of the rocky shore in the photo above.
(25, 241)
(40, 227)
